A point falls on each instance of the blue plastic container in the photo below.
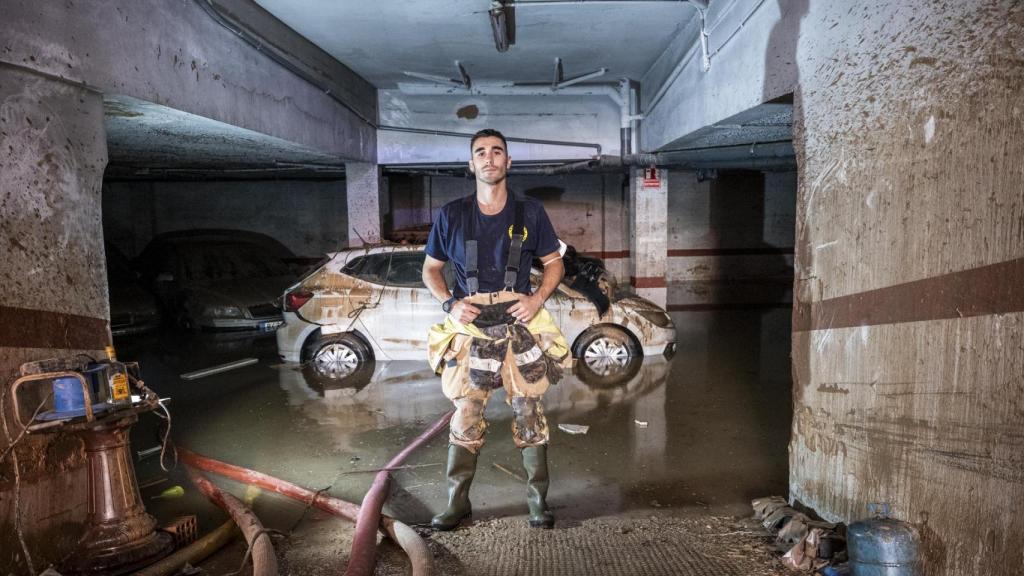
(882, 546)
(69, 401)
(68, 397)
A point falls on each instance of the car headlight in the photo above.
(223, 312)
(656, 317)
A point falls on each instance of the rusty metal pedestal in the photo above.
(120, 535)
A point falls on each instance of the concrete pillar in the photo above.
(53, 288)
(363, 187)
(648, 237)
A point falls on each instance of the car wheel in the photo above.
(334, 360)
(607, 356)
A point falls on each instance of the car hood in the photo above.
(632, 303)
(241, 292)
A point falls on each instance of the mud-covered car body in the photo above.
(378, 296)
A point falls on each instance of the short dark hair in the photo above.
(484, 134)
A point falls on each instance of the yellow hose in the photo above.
(193, 553)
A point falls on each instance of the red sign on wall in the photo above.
(651, 179)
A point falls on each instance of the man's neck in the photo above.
(491, 197)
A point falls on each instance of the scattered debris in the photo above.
(511, 473)
(573, 428)
(407, 466)
(151, 482)
(142, 454)
(172, 492)
(218, 369)
(809, 544)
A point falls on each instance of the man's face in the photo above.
(490, 161)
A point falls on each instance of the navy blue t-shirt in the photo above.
(493, 236)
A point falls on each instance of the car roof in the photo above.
(217, 235)
(382, 249)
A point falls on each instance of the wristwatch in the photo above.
(447, 304)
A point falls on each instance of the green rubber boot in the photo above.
(535, 460)
(461, 468)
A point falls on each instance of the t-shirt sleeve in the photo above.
(436, 245)
(547, 240)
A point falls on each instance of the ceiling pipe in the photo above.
(756, 156)
(430, 132)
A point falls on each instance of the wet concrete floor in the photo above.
(704, 431)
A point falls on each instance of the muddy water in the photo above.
(705, 430)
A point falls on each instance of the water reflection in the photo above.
(407, 393)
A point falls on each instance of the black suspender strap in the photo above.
(515, 248)
(469, 235)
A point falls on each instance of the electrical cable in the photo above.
(17, 475)
(152, 396)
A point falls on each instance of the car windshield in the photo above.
(393, 268)
(229, 261)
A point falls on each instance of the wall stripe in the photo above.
(648, 282)
(759, 251)
(727, 306)
(993, 289)
(688, 252)
(26, 328)
(607, 254)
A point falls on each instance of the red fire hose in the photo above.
(264, 561)
(364, 544)
(419, 556)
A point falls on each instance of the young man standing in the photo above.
(497, 333)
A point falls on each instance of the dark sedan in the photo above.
(219, 279)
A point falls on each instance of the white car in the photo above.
(371, 304)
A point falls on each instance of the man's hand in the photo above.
(463, 312)
(526, 308)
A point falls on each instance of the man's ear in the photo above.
(471, 169)
(508, 162)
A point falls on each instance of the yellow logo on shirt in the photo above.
(526, 232)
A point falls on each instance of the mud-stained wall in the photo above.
(173, 53)
(53, 292)
(730, 240)
(908, 346)
(307, 216)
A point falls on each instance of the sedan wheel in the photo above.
(605, 356)
(336, 360)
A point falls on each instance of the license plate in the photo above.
(270, 325)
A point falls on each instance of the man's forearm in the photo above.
(434, 279)
(552, 276)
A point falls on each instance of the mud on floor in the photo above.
(651, 545)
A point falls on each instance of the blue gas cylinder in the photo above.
(882, 546)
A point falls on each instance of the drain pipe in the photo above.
(364, 544)
(264, 561)
(408, 540)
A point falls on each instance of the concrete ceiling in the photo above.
(146, 140)
(383, 38)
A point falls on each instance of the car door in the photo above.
(406, 309)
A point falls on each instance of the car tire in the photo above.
(607, 356)
(334, 361)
